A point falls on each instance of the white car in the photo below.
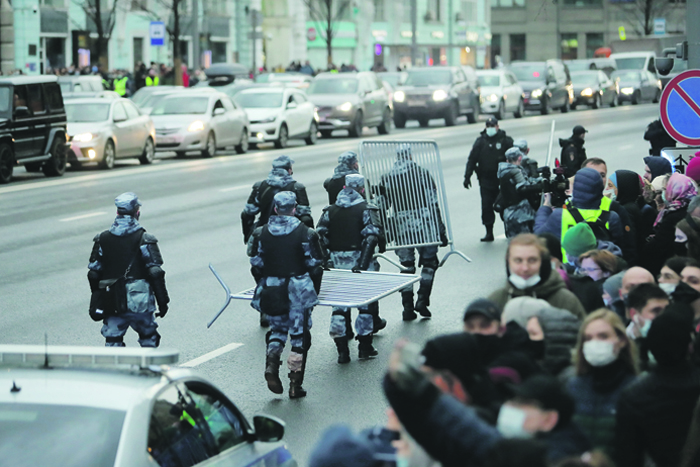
(103, 130)
(199, 121)
(500, 93)
(278, 115)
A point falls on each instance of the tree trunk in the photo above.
(648, 25)
(329, 31)
(103, 64)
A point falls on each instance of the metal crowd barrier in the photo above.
(411, 197)
(339, 288)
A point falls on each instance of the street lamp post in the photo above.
(414, 26)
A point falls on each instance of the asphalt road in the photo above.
(193, 207)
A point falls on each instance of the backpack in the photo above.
(599, 226)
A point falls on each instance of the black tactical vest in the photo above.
(266, 197)
(345, 227)
(334, 186)
(117, 253)
(283, 255)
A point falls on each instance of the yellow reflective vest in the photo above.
(152, 81)
(589, 215)
(120, 86)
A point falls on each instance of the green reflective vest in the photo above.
(152, 81)
(589, 215)
(120, 86)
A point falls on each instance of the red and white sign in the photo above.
(311, 34)
(680, 108)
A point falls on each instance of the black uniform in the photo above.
(573, 154)
(658, 138)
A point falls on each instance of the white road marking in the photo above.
(213, 354)
(234, 188)
(84, 216)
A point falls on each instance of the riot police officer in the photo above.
(126, 262)
(347, 164)
(351, 230)
(286, 259)
(488, 151)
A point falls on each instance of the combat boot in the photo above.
(365, 347)
(422, 305)
(272, 374)
(489, 234)
(295, 389)
(343, 351)
(378, 323)
(407, 300)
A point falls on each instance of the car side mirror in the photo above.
(22, 111)
(219, 111)
(268, 429)
(367, 91)
(291, 105)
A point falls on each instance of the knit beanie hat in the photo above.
(521, 309)
(658, 166)
(579, 239)
(693, 169)
(613, 284)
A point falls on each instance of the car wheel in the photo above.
(283, 139)
(357, 126)
(566, 107)
(596, 102)
(313, 134)
(424, 122)
(243, 145)
(210, 148)
(615, 101)
(473, 116)
(108, 156)
(149, 153)
(34, 166)
(545, 107)
(7, 163)
(56, 165)
(657, 97)
(635, 98)
(385, 127)
(501, 113)
(452, 114)
(399, 120)
(326, 133)
(521, 110)
(252, 146)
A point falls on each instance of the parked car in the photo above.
(78, 85)
(546, 85)
(146, 105)
(637, 86)
(635, 61)
(606, 65)
(394, 78)
(199, 121)
(142, 94)
(350, 101)
(474, 85)
(32, 126)
(278, 115)
(594, 89)
(435, 92)
(500, 93)
(294, 79)
(103, 130)
(115, 407)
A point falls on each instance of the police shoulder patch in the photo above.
(498, 145)
(148, 238)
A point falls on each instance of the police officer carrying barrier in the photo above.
(286, 259)
(488, 151)
(411, 192)
(347, 164)
(126, 278)
(516, 189)
(351, 230)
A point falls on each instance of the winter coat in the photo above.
(596, 395)
(515, 184)
(658, 138)
(560, 329)
(552, 289)
(653, 416)
(486, 154)
(573, 154)
(588, 291)
(660, 246)
(641, 215)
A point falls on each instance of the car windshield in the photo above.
(395, 79)
(65, 87)
(181, 106)
(259, 100)
(87, 113)
(333, 86)
(285, 77)
(585, 79)
(489, 80)
(580, 65)
(428, 77)
(626, 75)
(39, 434)
(529, 72)
(151, 99)
(4, 100)
(631, 63)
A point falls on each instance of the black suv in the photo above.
(546, 85)
(32, 126)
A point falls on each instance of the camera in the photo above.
(664, 65)
(557, 185)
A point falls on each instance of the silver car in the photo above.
(104, 130)
(500, 93)
(98, 407)
(199, 121)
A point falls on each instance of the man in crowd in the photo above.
(482, 316)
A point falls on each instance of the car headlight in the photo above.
(439, 95)
(83, 137)
(493, 98)
(197, 125)
(269, 119)
(536, 93)
(627, 91)
(346, 107)
(399, 96)
(588, 92)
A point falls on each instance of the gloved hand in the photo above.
(163, 310)
(443, 239)
(467, 183)
(96, 314)
(357, 269)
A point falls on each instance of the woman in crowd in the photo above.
(599, 265)
(670, 275)
(605, 363)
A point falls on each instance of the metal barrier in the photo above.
(405, 179)
(339, 288)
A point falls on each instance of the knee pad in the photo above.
(430, 262)
(410, 267)
(114, 340)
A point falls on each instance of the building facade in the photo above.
(572, 29)
(57, 33)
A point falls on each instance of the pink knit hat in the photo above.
(693, 169)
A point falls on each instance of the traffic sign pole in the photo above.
(692, 31)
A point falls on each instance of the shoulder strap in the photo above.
(575, 214)
(133, 258)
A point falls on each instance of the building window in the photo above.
(507, 3)
(433, 10)
(569, 46)
(517, 47)
(495, 50)
(379, 10)
(215, 7)
(594, 41)
(469, 12)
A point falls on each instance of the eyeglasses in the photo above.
(590, 270)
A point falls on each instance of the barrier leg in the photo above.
(455, 252)
(228, 295)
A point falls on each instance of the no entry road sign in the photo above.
(680, 108)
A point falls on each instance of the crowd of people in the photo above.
(587, 355)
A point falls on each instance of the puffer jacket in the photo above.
(560, 328)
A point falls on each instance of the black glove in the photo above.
(356, 268)
(95, 315)
(94, 306)
(316, 277)
(467, 183)
(443, 238)
(162, 311)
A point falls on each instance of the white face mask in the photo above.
(668, 288)
(599, 353)
(522, 284)
(510, 422)
(610, 193)
(491, 131)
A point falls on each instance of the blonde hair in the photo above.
(604, 259)
(528, 239)
(628, 354)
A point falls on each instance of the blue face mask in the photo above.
(510, 422)
(491, 131)
(402, 461)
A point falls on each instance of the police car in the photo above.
(84, 406)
